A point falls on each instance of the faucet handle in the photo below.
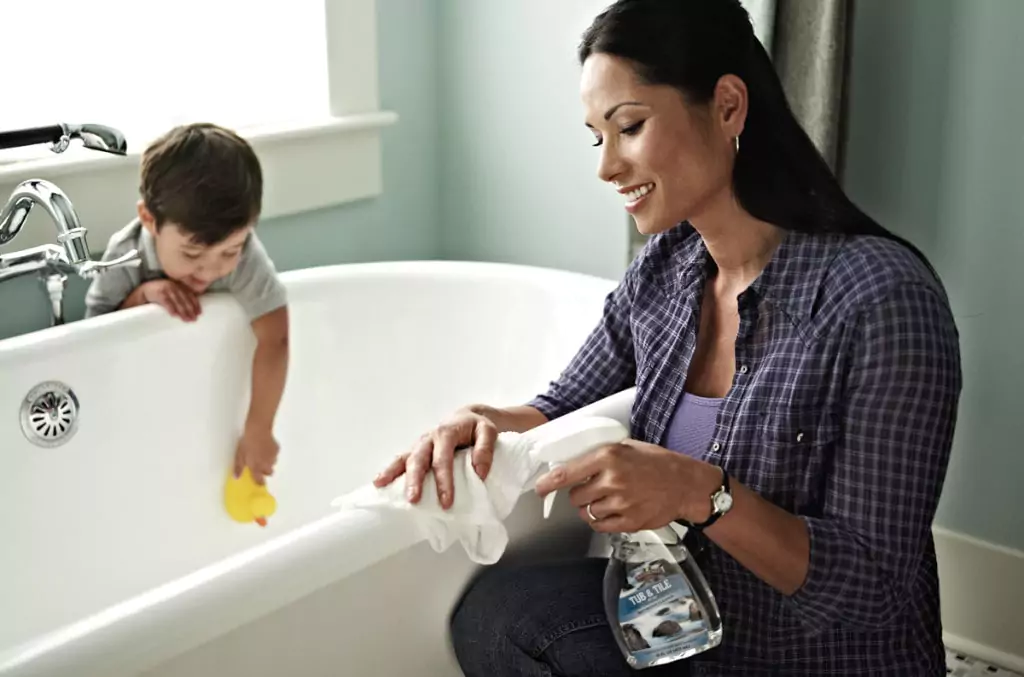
(91, 269)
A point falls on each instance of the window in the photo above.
(143, 67)
(298, 79)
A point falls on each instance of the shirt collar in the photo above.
(791, 280)
(794, 276)
(147, 247)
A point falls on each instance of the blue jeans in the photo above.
(542, 621)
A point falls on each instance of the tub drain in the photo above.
(49, 414)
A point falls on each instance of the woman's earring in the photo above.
(737, 140)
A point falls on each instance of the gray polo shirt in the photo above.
(254, 283)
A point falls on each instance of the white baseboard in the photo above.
(982, 589)
(984, 653)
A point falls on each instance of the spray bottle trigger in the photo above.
(575, 437)
(549, 501)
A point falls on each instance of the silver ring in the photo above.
(590, 514)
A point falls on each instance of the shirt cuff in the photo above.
(550, 407)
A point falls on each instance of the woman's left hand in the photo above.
(634, 486)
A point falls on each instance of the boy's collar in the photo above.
(147, 247)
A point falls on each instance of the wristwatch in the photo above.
(721, 503)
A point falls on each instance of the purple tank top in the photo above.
(692, 425)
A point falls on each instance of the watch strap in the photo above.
(715, 512)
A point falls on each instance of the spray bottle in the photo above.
(658, 602)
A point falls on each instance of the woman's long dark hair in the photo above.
(780, 176)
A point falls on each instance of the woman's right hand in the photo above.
(436, 450)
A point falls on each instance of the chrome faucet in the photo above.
(56, 204)
(59, 136)
(52, 263)
(96, 137)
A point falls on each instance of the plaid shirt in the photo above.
(841, 411)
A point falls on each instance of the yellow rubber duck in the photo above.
(247, 501)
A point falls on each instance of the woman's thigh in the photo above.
(540, 621)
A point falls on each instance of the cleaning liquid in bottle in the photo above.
(658, 603)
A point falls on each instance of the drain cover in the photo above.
(49, 414)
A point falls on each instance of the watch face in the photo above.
(723, 501)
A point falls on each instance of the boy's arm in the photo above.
(110, 289)
(258, 289)
(175, 298)
(257, 449)
(136, 298)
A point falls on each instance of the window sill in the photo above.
(305, 166)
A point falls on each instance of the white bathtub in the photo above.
(118, 558)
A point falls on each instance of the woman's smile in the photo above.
(636, 196)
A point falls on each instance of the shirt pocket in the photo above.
(796, 448)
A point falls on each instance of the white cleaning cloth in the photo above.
(476, 517)
(479, 507)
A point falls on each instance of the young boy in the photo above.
(202, 192)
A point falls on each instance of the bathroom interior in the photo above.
(422, 158)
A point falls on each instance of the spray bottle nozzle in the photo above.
(572, 438)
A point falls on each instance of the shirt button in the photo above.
(716, 447)
(744, 369)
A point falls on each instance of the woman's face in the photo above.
(669, 159)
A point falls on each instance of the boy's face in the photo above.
(194, 265)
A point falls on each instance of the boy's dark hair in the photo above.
(203, 178)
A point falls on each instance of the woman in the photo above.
(778, 338)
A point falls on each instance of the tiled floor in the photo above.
(960, 665)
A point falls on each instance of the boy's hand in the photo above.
(179, 300)
(257, 450)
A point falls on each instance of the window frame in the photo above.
(306, 166)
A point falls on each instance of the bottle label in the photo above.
(659, 614)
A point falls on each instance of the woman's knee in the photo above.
(509, 615)
(503, 599)
(479, 625)
(488, 605)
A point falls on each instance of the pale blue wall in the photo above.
(935, 152)
(518, 170)
(401, 224)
